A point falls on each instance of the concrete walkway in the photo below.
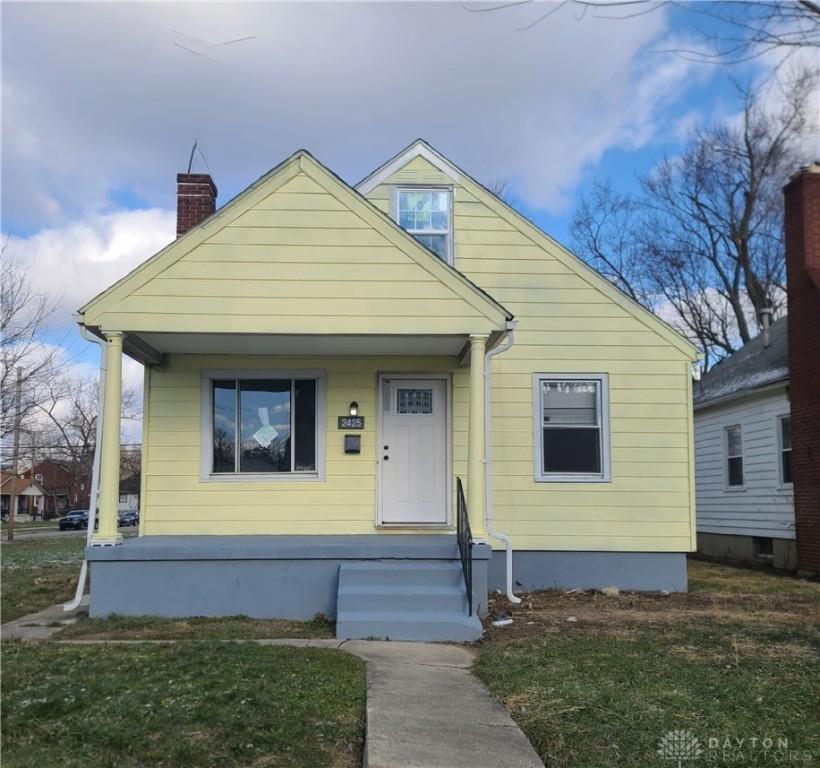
(425, 708)
(43, 624)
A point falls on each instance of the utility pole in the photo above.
(16, 455)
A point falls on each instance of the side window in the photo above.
(734, 456)
(571, 428)
(785, 447)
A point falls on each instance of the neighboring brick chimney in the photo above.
(196, 200)
(802, 224)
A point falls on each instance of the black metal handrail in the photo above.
(465, 543)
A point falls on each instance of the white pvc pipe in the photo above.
(95, 470)
(507, 342)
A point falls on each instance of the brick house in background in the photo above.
(802, 225)
(63, 488)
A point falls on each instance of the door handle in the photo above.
(386, 458)
(386, 447)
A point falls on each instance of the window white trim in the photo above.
(394, 213)
(206, 427)
(605, 476)
(727, 455)
(780, 450)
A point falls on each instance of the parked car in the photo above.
(129, 517)
(75, 520)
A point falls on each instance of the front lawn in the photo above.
(181, 705)
(597, 680)
(196, 628)
(38, 574)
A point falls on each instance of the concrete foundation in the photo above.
(743, 549)
(287, 577)
(640, 571)
(297, 577)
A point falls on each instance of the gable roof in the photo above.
(301, 162)
(421, 148)
(7, 485)
(753, 367)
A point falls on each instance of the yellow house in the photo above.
(379, 403)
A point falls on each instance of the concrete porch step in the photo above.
(395, 597)
(402, 573)
(429, 626)
(422, 600)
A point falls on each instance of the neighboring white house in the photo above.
(744, 493)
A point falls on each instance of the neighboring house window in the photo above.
(571, 427)
(734, 456)
(38, 479)
(763, 548)
(785, 449)
(263, 425)
(425, 214)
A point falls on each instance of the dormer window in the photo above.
(426, 214)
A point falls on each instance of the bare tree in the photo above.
(746, 29)
(603, 230)
(71, 422)
(703, 242)
(24, 318)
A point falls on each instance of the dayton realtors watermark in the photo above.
(685, 748)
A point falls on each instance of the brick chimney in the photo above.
(196, 200)
(802, 227)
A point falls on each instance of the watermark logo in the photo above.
(679, 746)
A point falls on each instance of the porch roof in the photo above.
(151, 346)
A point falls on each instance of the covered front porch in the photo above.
(328, 537)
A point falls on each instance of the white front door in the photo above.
(413, 458)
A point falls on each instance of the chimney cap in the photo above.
(198, 178)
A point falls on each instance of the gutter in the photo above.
(95, 471)
(506, 343)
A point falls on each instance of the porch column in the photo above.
(109, 483)
(475, 456)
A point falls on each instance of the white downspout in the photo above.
(506, 343)
(95, 470)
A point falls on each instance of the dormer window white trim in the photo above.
(426, 213)
(418, 148)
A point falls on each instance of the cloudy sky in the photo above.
(102, 103)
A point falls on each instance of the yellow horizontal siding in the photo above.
(567, 325)
(177, 501)
(296, 260)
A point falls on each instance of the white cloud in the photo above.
(101, 101)
(73, 263)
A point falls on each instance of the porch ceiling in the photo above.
(292, 344)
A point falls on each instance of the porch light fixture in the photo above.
(354, 408)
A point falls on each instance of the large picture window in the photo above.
(571, 427)
(425, 214)
(262, 425)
